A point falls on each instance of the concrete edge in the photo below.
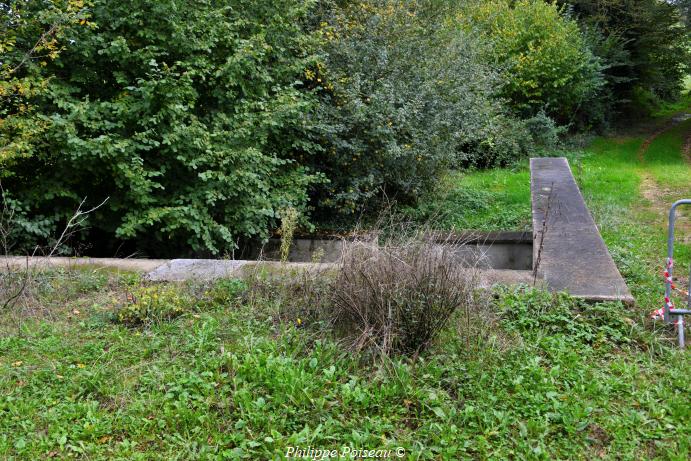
(177, 270)
(124, 264)
(626, 299)
(620, 295)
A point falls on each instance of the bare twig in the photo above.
(44, 38)
(74, 222)
(29, 53)
(6, 220)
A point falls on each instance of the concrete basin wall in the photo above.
(487, 250)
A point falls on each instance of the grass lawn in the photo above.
(235, 375)
(237, 379)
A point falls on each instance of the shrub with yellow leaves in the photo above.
(547, 65)
(154, 303)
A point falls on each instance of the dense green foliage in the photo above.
(408, 97)
(32, 34)
(642, 44)
(200, 122)
(200, 131)
(684, 11)
(188, 117)
(545, 60)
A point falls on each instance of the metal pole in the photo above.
(670, 268)
(670, 259)
(680, 330)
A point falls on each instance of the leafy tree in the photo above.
(684, 11)
(405, 96)
(189, 115)
(652, 53)
(544, 58)
(32, 34)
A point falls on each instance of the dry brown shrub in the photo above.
(396, 295)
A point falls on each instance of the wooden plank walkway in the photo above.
(572, 255)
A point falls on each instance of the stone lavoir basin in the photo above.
(485, 250)
(565, 245)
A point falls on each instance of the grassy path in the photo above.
(630, 195)
(667, 177)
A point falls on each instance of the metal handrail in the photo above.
(678, 313)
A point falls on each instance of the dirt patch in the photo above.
(686, 150)
(660, 200)
(599, 439)
(650, 189)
